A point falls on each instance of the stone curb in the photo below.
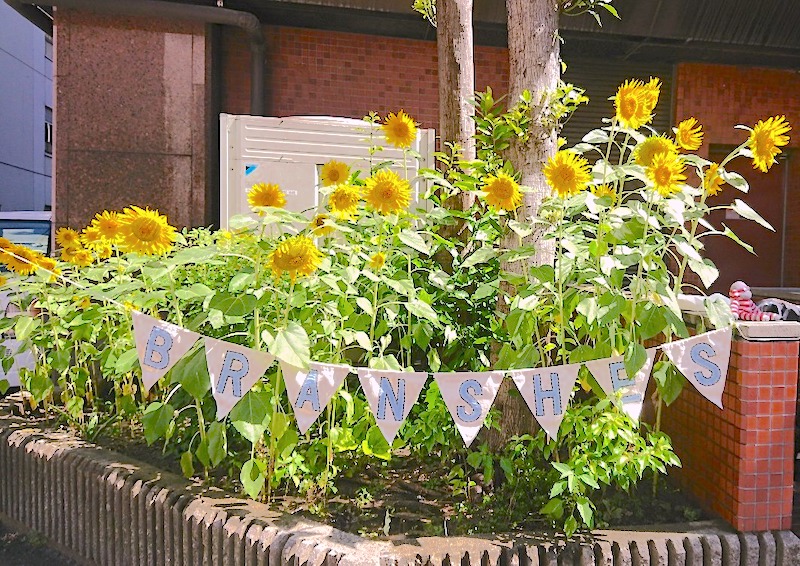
(104, 508)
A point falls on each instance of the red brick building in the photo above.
(140, 84)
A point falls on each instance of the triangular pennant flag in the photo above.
(547, 391)
(159, 345)
(310, 390)
(234, 370)
(703, 359)
(610, 374)
(390, 395)
(469, 396)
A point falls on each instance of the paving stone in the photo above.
(766, 545)
(622, 554)
(731, 549)
(749, 546)
(712, 550)
(787, 548)
(659, 555)
(694, 551)
(676, 553)
(603, 555)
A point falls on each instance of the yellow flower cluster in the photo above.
(567, 173)
(765, 139)
(24, 261)
(635, 101)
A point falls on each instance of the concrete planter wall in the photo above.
(103, 508)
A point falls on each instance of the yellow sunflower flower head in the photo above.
(103, 251)
(646, 150)
(91, 238)
(68, 238)
(146, 232)
(386, 192)
(3, 281)
(603, 190)
(567, 173)
(266, 194)
(333, 173)
(689, 134)
(765, 139)
(399, 129)
(344, 199)
(23, 261)
(712, 180)
(666, 173)
(652, 89)
(68, 253)
(502, 192)
(81, 258)
(296, 256)
(319, 227)
(634, 103)
(108, 226)
(47, 263)
(377, 261)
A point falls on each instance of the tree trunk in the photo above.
(533, 50)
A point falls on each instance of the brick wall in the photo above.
(739, 461)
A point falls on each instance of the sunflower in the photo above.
(23, 262)
(91, 238)
(567, 173)
(399, 129)
(377, 261)
(108, 226)
(634, 103)
(765, 139)
(387, 192)
(68, 238)
(320, 228)
(266, 194)
(712, 180)
(603, 190)
(333, 173)
(652, 89)
(502, 192)
(666, 173)
(81, 258)
(103, 251)
(298, 256)
(67, 254)
(3, 280)
(652, 146)
(343, 201)
(46, 263)
(145, 231)
(689, 134)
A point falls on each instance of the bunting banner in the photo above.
(310, 390)
(547, 392)
(626, 393)
(703, 359)
(390, 395)
(159, 345)
(234, 369)
(469, 396)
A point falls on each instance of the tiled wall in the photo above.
(739, 461)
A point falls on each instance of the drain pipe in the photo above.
(172, 10)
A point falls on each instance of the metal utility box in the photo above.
(291, 151)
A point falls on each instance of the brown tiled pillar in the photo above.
(739, 461)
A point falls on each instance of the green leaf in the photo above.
(743, 210)
(250, 416)
(635, 358)
(280, 423)
(217, 443)
(25, 326)
(4, 385)
(730, 234)
(585, 510)
(485, 290)
(365, 305)
(413, 239)
(252, 477)
(187, 467)
(155, 420)
(734, 179)
(343, 439)
(191, 372)
(233, 304)
(669, 381)
(554, 508)
(422, 310)
(475, 459)
(588, 308)
(193, 255)
(706, 270)
(240, 281)
(521, 229)
(481, 255)
(651, 320)
(126, 362)
(287, 442)
(719, 313)
(291, 345)
(375, 444)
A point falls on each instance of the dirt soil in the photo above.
(30, 549)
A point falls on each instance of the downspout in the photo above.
(205, 14)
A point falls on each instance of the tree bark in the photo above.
(533, 49)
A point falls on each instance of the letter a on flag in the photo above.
(469, 396)
(610, 374)
(390, 395)
(234, 370)
(159, 345)
(547, 391)
(703, 359)
(310, 390)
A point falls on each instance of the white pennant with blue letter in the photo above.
(159, 345)
(703, 359)
(390, 395)
(469, 396)
(234, 369)
(311, 389)
(547, 392)
(627, 393)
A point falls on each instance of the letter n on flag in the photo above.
(390, 395)
(234, 369)
(703, 359)
(469, 396)
(310, 390)
(547, 392)
(159, 345)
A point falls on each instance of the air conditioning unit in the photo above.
(291, 152)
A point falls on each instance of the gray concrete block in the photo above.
(766, 549)
(676, 552)
(659, 555)
(787, 548)
(731, 548)
(712, 550)
(603, 555)
(694, 550)
(622, 554)
(749, 546)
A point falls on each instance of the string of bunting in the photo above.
(234, 369)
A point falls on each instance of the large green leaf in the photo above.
(217, 443)
(635, 358)
(742, 209)
(291, 345)
(126, 361)
(375, 444)
(413, 239)
(155, 420)
(251, 416)
(233, 304)
(252, 477)
(481, 255)
(423, 310)
(191, 372)
(651, 320)
(669, 381)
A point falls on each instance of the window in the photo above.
(48, 130)
(48, 48)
